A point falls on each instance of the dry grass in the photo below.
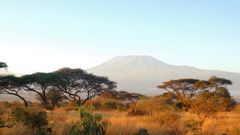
(123, 124)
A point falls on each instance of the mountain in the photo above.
(136, 73)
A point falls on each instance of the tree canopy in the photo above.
(83, 86)
(40, 83)
(72, 84)
(187, 90)
(3, 65)
(12, 85)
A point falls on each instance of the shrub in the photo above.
(110, 105)
(92, 124)
(6, 120)
(208, 103)
(194, 126)
(170, 122)
(123, 107)
(33, 118)
(150, 105)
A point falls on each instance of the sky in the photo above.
(45, 35)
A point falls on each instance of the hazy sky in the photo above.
(44, 35)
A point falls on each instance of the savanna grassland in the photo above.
(74, 102)
(121, 123)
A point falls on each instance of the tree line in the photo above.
(201, 96)
(69, 84)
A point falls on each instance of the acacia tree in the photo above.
(83, 86)
(212, 90)
(3, 65)
(214, 97)
(218, 83)
(41, 83)
(11, 85)
(182, 89)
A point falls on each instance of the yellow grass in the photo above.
(123, 124)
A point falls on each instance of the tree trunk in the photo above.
(24, 100)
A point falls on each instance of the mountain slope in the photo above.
(142, 74)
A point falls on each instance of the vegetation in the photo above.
(33, 118)
(199, 95)
(187, 106)
(5, 123)
(3, 65)
(12, 85)
(82, 86)
(72, 84)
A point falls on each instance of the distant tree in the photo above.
(182, 89)
(217, 83)
(214, 97)
(41, 83)
(202, 96)
(3, 65)
(83, 86)
(11, 85)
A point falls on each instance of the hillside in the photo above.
(136, 73)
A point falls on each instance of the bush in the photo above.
(110, 105)
(194, 126)
(6, 121)
(170, 122)
(208, 103)
(123, 107)
(33, 118)
(150, 105)
(92, 124)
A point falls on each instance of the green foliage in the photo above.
(73, 129)
(82, 83)
(12, 85)
(194, 126)
(3, 65)
(41, 83)
(32, 118)
(92, 124)
(203, 97)
(44, 80)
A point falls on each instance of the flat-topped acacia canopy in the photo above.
(3, 65)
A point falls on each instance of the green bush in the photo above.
(32, 118)
(92, 124)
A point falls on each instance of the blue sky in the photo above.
(49, 34)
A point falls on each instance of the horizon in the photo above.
(43, 36)
(94, 66)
